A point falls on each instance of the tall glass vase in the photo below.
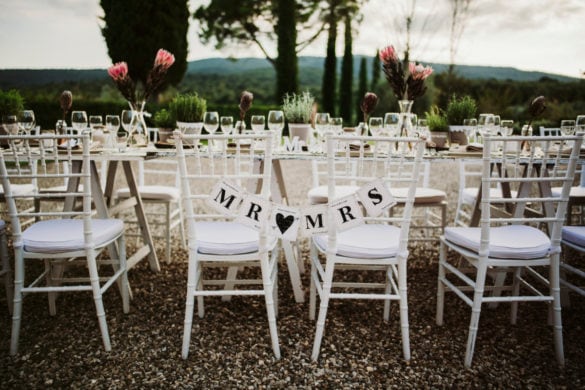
(138, 132)
(404, 121)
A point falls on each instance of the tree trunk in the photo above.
(346, 84)
(286, 63)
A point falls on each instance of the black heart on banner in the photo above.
(283, 222)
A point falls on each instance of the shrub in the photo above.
(11, 102)
(188, 107)
(164, 119)
(459, 109)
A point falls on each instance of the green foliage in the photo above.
(298, 108)
(164, 119)
(134, 30)
(188, 107)
(362, 86)
(330, 65)
(376, 70)
(436, 120)
(286, 64)
(11, 102)
(459, 109)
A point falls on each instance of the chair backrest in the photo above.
(549, 131)
(49, 161)
(533, 173)
(243, 160)
(366, 163)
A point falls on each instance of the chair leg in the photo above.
(230, 279)
(440, 285)
(168, 232)
(17, 308)
(313, 279)
(52, 296)
(8, 284)
(182, 226)
(475, 313)
(97, 298)
(403, 291)
(189, 305)
(556, 306)
(326, 290)
(387, 290)
(268, 297)
(124, 285)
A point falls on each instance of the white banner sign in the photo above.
(347, 212)
(285, 221)
(375, 197)
(314, 220)
(254, 212)
(226, 197)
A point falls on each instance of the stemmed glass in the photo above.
(567, 128)
(26, 121)
(96, 126)
(336, 125)
(127, 119)
(580, 123)
(391, 123)
(506, 127)
(211, 123)
(10, 125)
(485, 124)
(276, 124)
(376, 126)
(470, 125)
(258, 123)
(321, 127)
(227, 124)
(112, 125)
(78, 122)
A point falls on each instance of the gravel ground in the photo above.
(230, 347)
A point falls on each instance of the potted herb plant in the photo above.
(298, 110)
(188, 110)
(439, 127)
(11, 103)
(165, 121)
(459, 109)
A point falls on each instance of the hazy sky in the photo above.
(544, 35)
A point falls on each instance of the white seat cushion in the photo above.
(574, 234)
(369, 241)
(506, 242)
(227, 238)
(576, 192)
(422, 195)
(319, 195)
(66, 235)
(469, 194)
(20, 189)
(153, 193)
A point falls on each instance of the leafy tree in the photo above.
(330, 68)
(376, 71)
(362, 85)
(134, 30)
(346, 82)
(226, 21)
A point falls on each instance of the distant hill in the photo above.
(22, 78)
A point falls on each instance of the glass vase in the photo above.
(138, 134)
(404, 121)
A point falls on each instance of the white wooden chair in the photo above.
(380, 244)
(217, 239)
(5, 269)
(573, 237)
(511, 236)
(60, 237)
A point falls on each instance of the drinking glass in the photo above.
(10, 124)
(122, 136)
(276, 124)
(506, 127)
(95, 121)
(470, 129)
(568, 127)
(391, 123)
(112, 126)
(376, 126)
(422, 128)
(78, 122)
(227, 124)
(485, 124)
(127, 120)
(580, 123)
(211, 123)
(336, 125)
(258, 123)
(321, 127)
(26, 121)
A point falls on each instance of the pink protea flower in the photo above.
(388, 54)
(118, 71)
(164, 59)
(419, 72)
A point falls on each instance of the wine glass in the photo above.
(376, 126)
(211, 123)
(11, 126)
(122, 136)
(568, 127)
(96, 126)
(485, 124)
(26, 120)
(257, 122)
(506, 127)
(227, 124)
(580, 123)
(112, 126)
(391, 123)
(470, 129)
(78, 122)
(336, 125)
(275, 121)
(321, 125)
(422, 128)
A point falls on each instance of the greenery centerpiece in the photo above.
(439, 127)
(11, 103)
(298, 111)
(188, 110)
(165, 121)
(459, 109)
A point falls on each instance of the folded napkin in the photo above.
(474, 147)
(357, 147)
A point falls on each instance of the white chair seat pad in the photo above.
(153, 193)
(469, 194)
(227, 238)
(576, 192)
(574, 234)
(66, 235)
(422, 195)
(20, 189)
(320, 194)
(369, 241)
(506, 242)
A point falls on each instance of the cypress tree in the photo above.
(329, 71)
(346, 82)
(362, 86)
(134, 30)
(286, 63)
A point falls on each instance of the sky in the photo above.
(540, 35)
